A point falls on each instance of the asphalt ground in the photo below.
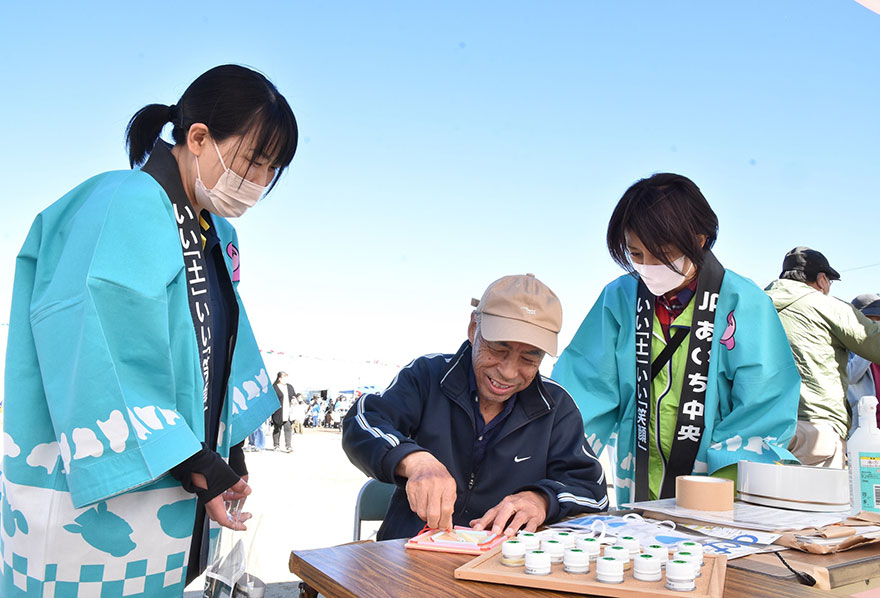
(303, 499)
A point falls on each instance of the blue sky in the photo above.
(446, 144)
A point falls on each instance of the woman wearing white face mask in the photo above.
(130, 355)
(685, 361)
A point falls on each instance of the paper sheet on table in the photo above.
(733, 542)
(646, 531)
(827, 537)
(745, 515)
(745, 536)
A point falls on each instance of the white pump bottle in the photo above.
(863, 457)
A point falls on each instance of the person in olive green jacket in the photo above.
(822, 330)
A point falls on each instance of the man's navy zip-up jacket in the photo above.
(540, 446)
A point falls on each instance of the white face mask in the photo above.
(661, 279)
(231, 196)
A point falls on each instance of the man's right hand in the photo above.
(429, 488)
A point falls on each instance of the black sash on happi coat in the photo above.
(163, 167)
(690, 423)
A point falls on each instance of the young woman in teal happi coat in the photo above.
(681, 364)
(132, 373)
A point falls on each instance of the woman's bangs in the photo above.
(277, 136)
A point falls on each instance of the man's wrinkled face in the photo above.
(502, 368)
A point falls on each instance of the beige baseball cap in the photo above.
(520, 308)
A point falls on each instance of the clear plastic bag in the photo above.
(227, 576)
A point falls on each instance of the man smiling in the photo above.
(480, 438)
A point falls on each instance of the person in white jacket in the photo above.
(297, 413)
(863, 375)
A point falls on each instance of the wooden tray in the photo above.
(488, 567)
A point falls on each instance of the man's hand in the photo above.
(429, 488)
(527, 509)
(216, 508)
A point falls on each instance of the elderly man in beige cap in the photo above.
(479, 437)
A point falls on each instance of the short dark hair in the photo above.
(229, 100)
(799, 275)
(662, 210)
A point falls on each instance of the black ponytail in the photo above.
(229, 100)
(143, 130)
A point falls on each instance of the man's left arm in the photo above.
(575, 482)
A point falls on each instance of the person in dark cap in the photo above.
(822, 331)
(808, 265)
(864, 376)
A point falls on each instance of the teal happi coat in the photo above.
(103, 395)
(752, 394)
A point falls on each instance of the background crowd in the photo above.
(297, 412)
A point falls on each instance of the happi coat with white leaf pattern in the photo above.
(104, 394)
(751, 394)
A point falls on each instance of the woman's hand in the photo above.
(218, 508)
